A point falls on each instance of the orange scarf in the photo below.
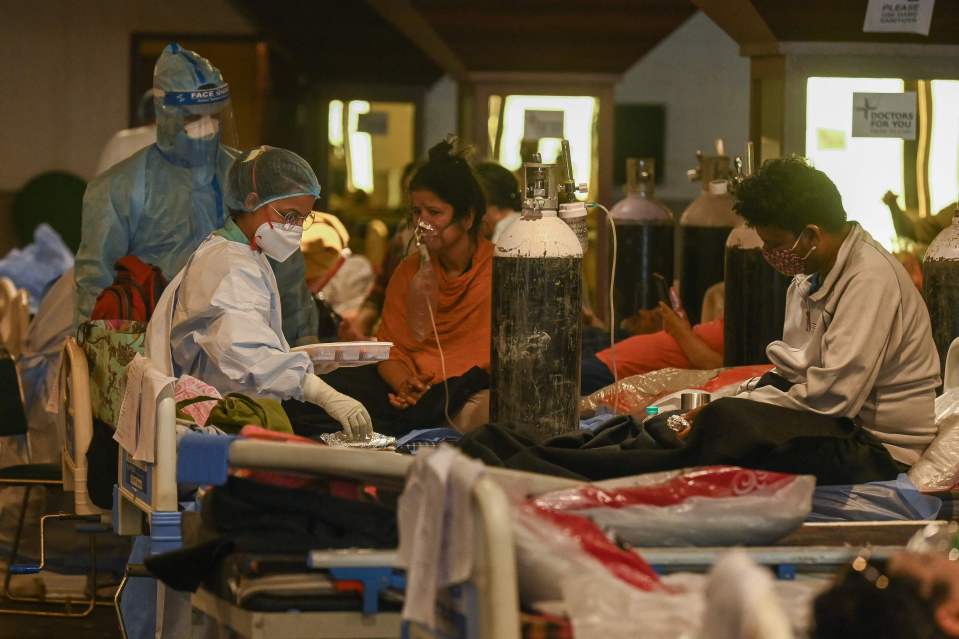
(463, 315)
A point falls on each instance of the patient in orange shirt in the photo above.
(446, 198)
(427, 384)
(673, 343)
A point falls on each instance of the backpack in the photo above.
(134, 293)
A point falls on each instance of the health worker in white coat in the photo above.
(220, 319)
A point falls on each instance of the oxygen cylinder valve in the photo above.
(540, 189)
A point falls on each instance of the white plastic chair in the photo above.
(14, 317)
(75, 425)
(950, 379)
(7, 291)
(76, 421)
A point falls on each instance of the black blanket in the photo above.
(729, 431)
(244, 516)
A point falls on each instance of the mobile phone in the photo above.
(662, 290)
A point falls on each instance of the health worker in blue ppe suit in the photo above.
(163, 201)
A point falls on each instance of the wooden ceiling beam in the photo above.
(408, 21)
(739, 19)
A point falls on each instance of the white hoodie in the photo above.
(860, 346)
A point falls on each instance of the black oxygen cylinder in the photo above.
(940, 276)
(643, 249)
(755, 303)
(537, 323)
(537, 317)
(537, 337)
(703, 231)
(645, 236)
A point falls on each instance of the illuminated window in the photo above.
(578, 118)
(336, 123)
(360, 150)
(863, 169)
(357, 145)
(944, 145)
(370, 144)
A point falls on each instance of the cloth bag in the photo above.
(110, 346)
(236, 410)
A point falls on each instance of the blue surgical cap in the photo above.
(272, 174)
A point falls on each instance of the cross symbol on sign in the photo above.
(866, 109)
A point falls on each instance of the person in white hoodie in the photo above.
(857, 343)
(503, 199)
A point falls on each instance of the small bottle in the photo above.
(574, 214)
(651, 412)
(937, 538)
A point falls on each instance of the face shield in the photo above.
(191, 125)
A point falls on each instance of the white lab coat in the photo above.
(220, 321)
(861, 347)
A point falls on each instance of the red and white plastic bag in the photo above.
(710, 506)
(582, 530)
(574, 545)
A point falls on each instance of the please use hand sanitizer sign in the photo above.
(899, 16)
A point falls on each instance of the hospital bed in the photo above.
(813, 548)
(818, 547)
(484, 607)
(490, 598)
(487, 605)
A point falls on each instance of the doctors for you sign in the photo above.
(884, 115)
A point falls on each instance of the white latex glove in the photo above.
(354, 419)
(748, 386)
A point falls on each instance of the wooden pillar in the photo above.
(767, 105)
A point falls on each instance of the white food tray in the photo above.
(332, 355)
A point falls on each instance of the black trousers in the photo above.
(728, 431)
(365, 385)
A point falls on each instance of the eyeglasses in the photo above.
(293, 219)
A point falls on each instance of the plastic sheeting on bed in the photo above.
(876, 501)
(631, 395)
(938, 468)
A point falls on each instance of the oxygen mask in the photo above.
(422, 300)
(422, 293)
(423, 231)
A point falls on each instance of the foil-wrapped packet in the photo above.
(376, 441)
